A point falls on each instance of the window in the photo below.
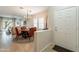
(39, 23)
(35, 22)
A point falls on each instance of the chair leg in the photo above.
(33, 37)
(17, 38)
(29, 38)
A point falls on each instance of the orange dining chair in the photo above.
(17, 32)
(31, 32)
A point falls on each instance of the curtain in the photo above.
(1, 23)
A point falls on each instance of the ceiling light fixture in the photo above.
(27, 16)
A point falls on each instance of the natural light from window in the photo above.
(39, 23)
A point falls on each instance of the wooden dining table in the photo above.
(25, 33)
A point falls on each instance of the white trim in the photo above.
(46, 47)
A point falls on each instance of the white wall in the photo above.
(42, 39)
(51, 22)
(50, 17)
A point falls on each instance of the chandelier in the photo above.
(27, 16)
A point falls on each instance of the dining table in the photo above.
(25, 33)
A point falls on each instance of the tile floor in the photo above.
(7, 44)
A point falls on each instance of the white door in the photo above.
(65, 28)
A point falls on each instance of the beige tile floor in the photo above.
(22, 47)
(7, 45)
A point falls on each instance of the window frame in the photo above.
(38, 23)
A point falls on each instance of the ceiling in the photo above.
(20, 10)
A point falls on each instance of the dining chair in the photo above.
(18, 32)
(31, 32)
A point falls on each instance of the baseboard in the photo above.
(46, 47)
